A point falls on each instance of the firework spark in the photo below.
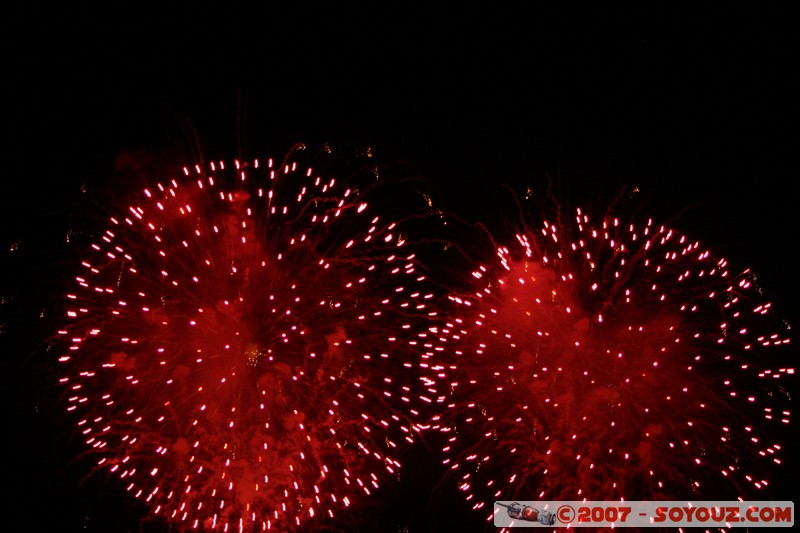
(239, 342)
(607, 359)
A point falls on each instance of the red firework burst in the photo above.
(605, 359)
(239, 343)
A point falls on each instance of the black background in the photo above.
(696, 104)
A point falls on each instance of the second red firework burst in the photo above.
(609, 357)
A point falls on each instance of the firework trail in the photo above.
(607, 358)
(241, 351)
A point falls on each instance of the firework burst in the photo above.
(606, 358)
(240, 345)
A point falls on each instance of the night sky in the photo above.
(697, 106)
